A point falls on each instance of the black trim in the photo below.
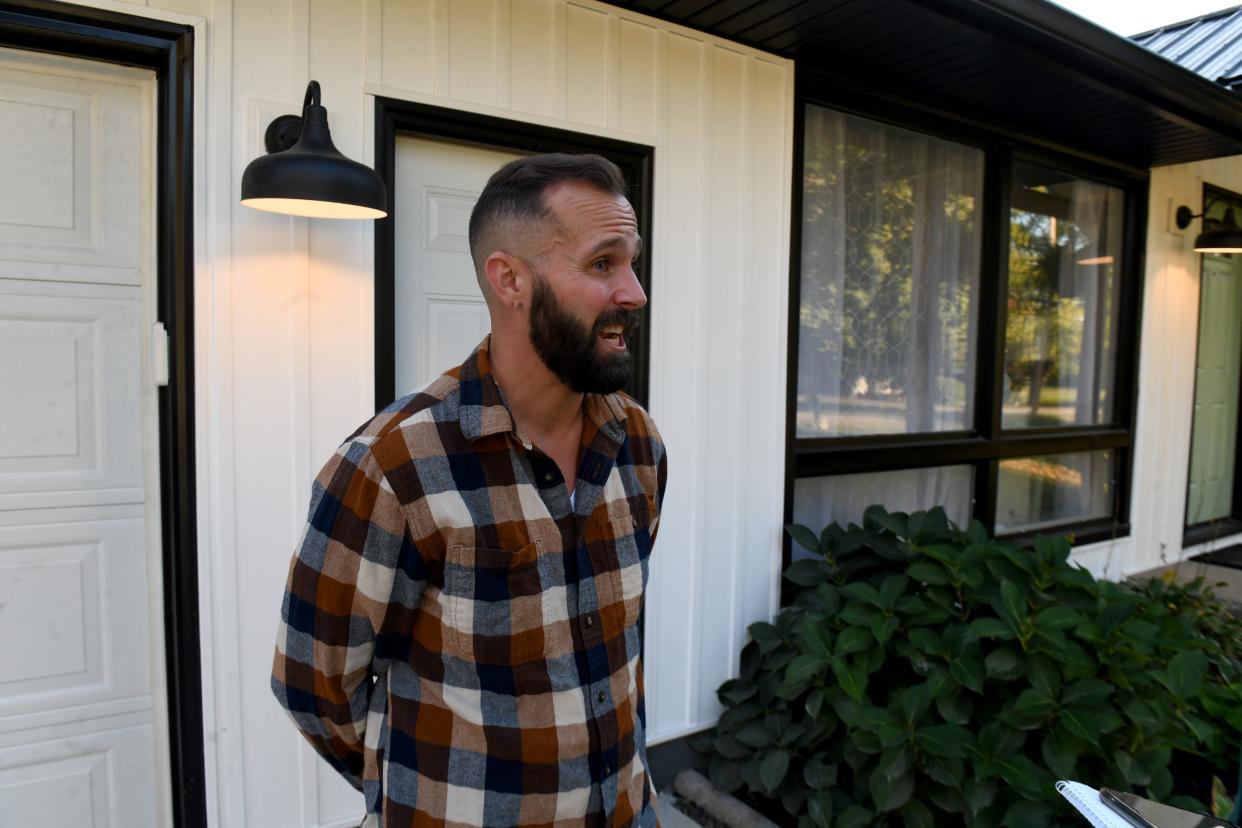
(1081, 532)
(889, 107)
(986, 443)
(992, 61)
(893, 453)
(393, 116)
(793, 331)
(1232, 523)
(168, 49)
(1211, 531)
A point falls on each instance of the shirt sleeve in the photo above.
(354, 567)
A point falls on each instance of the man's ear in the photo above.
(508, 278)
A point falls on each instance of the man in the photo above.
(460, 629)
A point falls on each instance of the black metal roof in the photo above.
(1023, 66)
(1209, 45)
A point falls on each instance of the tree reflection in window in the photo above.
(890, 272)
(1062, 292)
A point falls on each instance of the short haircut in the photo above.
(514, 193)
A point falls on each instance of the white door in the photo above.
(1215, 429)
(82, 733)
(440, 314)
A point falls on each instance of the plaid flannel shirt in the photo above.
(458, 640)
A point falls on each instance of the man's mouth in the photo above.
(614, 337)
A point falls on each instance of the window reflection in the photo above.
(1035, 493)
(890, 271)
(1061, 313)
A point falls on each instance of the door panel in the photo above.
(440, 312)
(1214, 431)
(74, 350)
(73, 169)
(80, 595)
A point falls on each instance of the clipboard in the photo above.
(1114, 809)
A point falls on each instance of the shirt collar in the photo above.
(482, 410)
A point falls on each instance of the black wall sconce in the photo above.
(303, 174)
(1218, 236)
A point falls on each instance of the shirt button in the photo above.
(600, 696)
(634, 521)
(590, 622)
(548, 477)
(607, 770)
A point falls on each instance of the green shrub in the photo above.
(927, 675)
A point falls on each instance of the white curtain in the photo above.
(890, 274)
(1088, 276)
(819, 501)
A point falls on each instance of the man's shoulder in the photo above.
(639, 424)
(435, 403)
(635, 414)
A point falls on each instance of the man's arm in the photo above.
(340, 588)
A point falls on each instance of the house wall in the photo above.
(1167, 364)
(284, 329)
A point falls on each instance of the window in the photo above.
(1061, 319)
(964, 330)
(890, 279)
(1212, 494)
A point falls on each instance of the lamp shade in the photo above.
(311, 177)
(1224, 237)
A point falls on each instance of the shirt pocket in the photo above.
(626, 582)
(494, 601)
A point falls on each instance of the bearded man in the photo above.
(459, 634)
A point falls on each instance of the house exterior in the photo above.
(918, 254)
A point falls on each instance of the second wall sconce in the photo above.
(1218, 236)
(303, 174)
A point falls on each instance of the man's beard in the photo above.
(570, 349)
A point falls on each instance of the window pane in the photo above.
(842, 499)
(890, 273)
(1214, 434)
(1061, 322)
(1037, 492)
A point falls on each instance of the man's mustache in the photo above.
(628, 320)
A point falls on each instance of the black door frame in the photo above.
(168, 49)
(394, 116)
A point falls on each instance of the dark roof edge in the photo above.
(1085, 48)
(1179, 24)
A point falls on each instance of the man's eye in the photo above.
(600, 265)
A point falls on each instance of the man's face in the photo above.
(586, 299)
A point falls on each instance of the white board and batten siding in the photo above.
(284, 323)
(1167, 368)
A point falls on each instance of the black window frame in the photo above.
(986, 444)
(1217, 528)
(397, 117)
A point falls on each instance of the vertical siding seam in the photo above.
(742, 424)
(690, 700)
(660, 127)
(440, 57)
(560, 60)
(502, 39)
(298, 332)
(699, 518)
(373, 41)
(216, 498)
(612, 77)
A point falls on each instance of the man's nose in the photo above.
(631, 294)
